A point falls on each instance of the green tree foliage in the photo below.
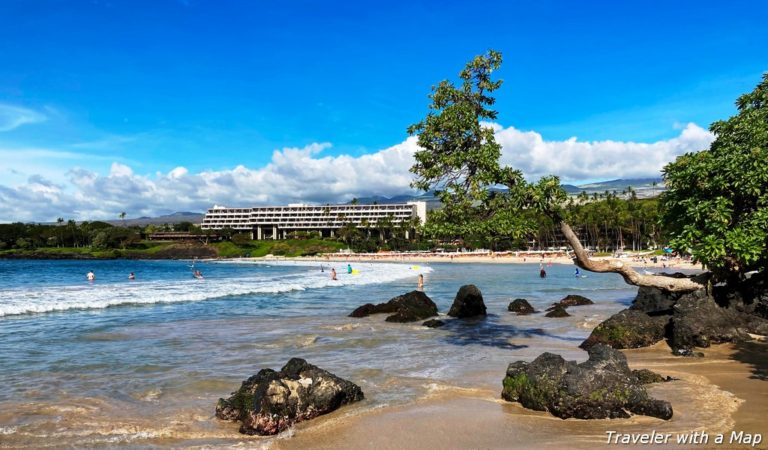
(459, 160)
(716, 203)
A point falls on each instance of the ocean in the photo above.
(137, 363)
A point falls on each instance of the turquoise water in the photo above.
(142, 362)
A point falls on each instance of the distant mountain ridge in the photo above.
(643, 187)
(177, 217)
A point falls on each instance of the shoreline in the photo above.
(720, 393)
(463, 258)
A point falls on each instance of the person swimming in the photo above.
(197, 274)
(91, 276)
(131, 276)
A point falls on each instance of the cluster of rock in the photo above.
(601, 387)
(410, 307)
(695, 319)
(416, 305)
(269, 402)
(521, 307)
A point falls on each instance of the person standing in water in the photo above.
(421, 282)
(577, 273)
(542, 272)
(91, 276)
(333, 274)
(131, 276)
(349, 268)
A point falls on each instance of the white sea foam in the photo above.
(28, 300)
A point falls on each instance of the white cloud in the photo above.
(575, 160)
(305, 175)
(12, 117)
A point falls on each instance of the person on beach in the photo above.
(421, 282)
(131, 276)
(333, 274)
(91, 276)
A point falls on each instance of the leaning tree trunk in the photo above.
(627, 272)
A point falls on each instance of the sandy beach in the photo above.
(490, 258)
(723, 392)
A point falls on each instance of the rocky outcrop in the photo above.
(599, 388)
(574, 300)
(409, 307)
(697, 321)
(688, 320)
(556, 311)
(270, 402)
(627, 329)
(521, 307)
(653, 300)
(433, 323)
(468, 303)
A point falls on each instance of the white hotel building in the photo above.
(275, 222)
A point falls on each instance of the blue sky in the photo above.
(137, 89)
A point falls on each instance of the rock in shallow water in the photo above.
(409, 307)
(468, 303)
(574, 300)
(270, 402)
(557, 311)
(599, 388)
(433, 323)
(521, 307)
(628, 329)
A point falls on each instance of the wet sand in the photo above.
(724, 391)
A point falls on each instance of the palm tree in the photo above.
(60, 221)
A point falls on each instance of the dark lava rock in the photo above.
(645, 376)
(409, 307)
(599, 388)
(654, 300)
(575, 300)
(521, 307)
(750, 296)
(433, 323)
(557, 311)
(698, 321)
(468, 302)
(628, 329)
(269, 402)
